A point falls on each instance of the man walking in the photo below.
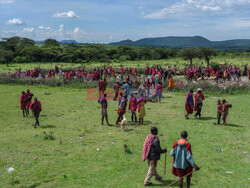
(183, 163)
(152, 151)
(199, 97)
(36, 107)
(104, 104)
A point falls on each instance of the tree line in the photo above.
(22, 50)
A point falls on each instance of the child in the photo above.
(219, 111)
(225, 107)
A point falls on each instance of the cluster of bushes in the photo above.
(79, 83)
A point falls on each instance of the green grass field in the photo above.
(180, 63)
(75, 121)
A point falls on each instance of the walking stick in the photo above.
(181, 178)
(165, 163)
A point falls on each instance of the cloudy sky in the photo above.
(103, 21)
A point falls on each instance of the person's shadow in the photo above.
(164, 183)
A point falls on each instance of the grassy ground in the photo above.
(239, 61)
(75, 121)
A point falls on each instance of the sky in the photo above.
(104, 21)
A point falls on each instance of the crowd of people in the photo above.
(227, 73)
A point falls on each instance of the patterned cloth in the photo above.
(147, 146)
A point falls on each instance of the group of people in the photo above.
(135, 105)
(183, 162)
(224, 73)
(27, 104)
(190, 106)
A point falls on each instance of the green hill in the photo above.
(183, 42)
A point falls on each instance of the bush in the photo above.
(19, 59)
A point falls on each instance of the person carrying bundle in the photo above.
(183, 162)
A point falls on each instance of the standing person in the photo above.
(225, 107)
(183, 162)
(29, 96)
(171, 83)
(199, 97)
(152, 152)
(158, 92)
(141, 108)
(219, 111)
(126, 88)
(133, 107)
(104, 103)
(23, 103)
(116, 88)
(189, 104)
(104, 85)
(121, 108)
(100, 88)
(36, 107)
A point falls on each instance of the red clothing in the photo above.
(196, 97)
(158, 90)
(28, 98)
(219, 108)
(36, 105)
(23, 101)
(147, 146)
(182, 172)
(133, 104)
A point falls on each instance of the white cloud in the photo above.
(77, 30)
(15, 21)
(141, 7)
(29, 30)
(198, 7)
(61, 28)
(69, 14)
(6, 1)
(43, 28)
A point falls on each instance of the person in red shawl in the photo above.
(152, 152)
(199, 97)
(29, 96)
(36, 107)
(23, 103)
(133, 107)
(116, 88)
(189, 104)
(183, 162)
(158, 92)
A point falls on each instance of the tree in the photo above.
(51, 42)
(207, 53)
(189, 54)
(6, 55)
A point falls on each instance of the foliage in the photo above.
(11, 49)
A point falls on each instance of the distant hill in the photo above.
(68, 42)
(183, 42)
(62, 42)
